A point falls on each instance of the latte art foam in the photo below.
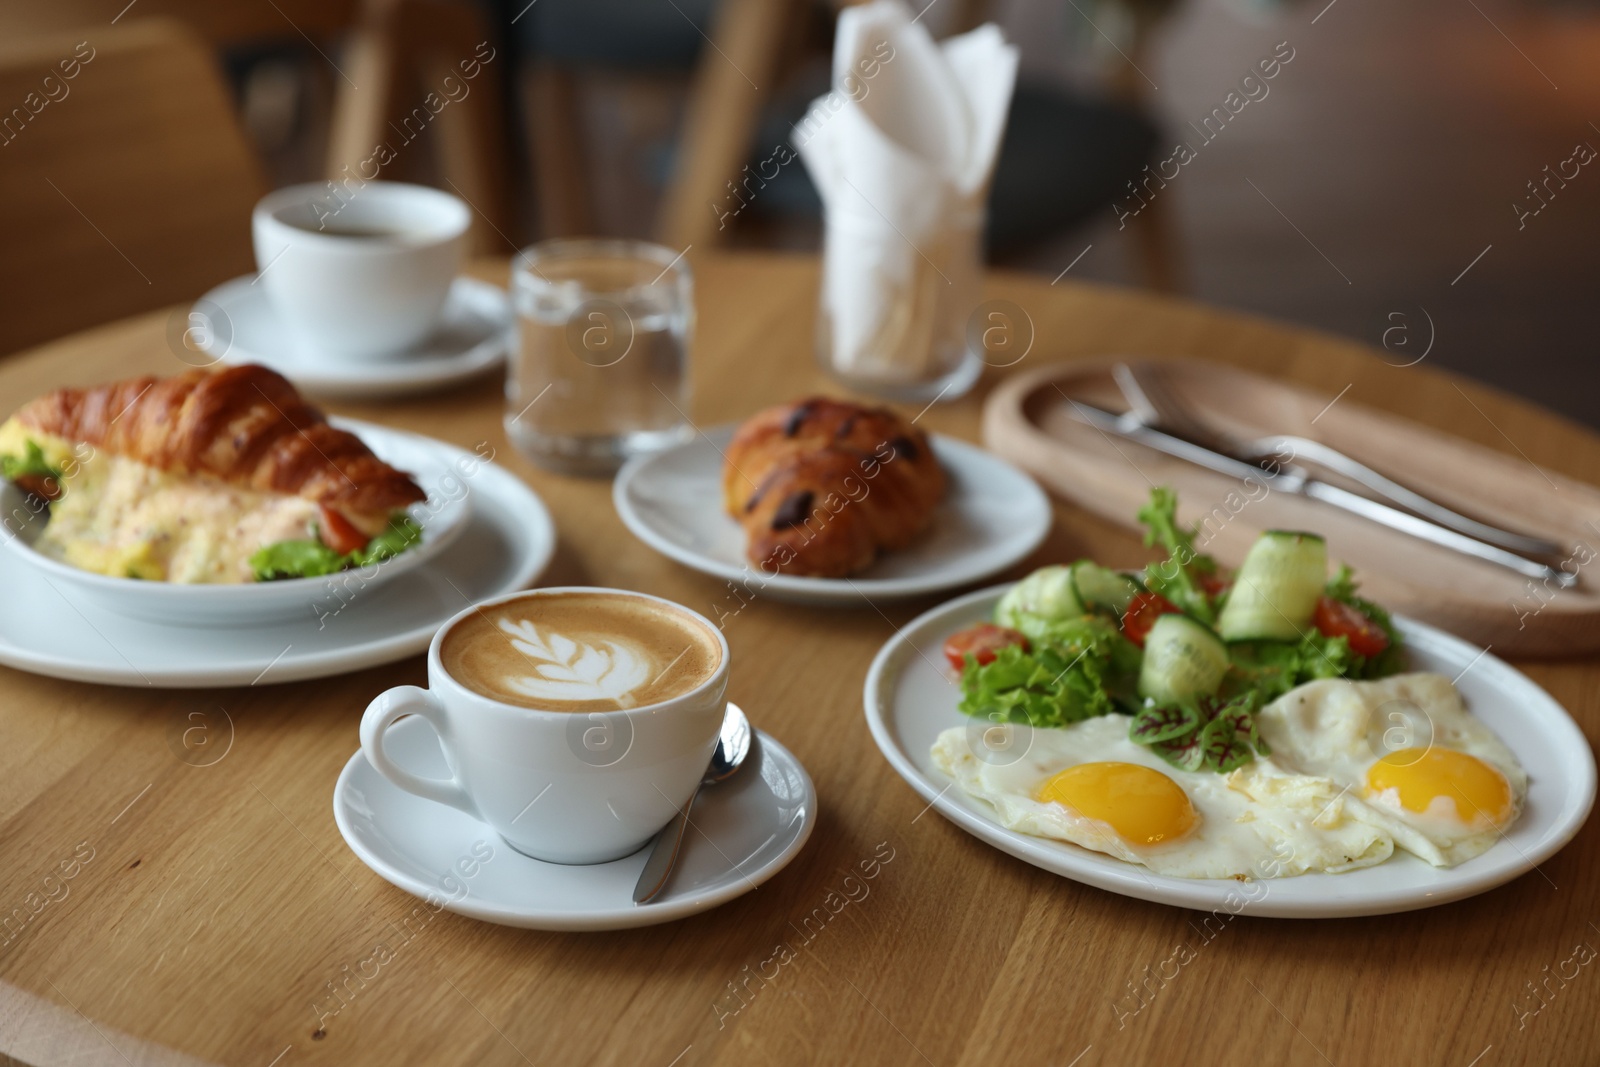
(580, 652)
(568, 669)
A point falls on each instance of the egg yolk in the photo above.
(1480, 793)
(1142, 806)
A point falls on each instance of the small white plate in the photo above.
(910, 699)
(442, 516)
(992, 517)
(745, 831)
(235, 323)
(49, 628)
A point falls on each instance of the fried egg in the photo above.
(1410, 758)
(1089, 785)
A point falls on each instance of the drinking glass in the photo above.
(600, 367)
(894, 319)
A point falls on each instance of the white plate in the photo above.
(745, 830)
(49, 628)
(993, 516)
(442, 516)
(235, 323)
(910, 698)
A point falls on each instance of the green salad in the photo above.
(312, 558)
(1189, 652)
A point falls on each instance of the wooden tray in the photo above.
(1028, 420)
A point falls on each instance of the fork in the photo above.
(1153, 403)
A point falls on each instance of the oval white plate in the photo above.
(236, 324)
(442, 516)
(47, 627)
(993, 516)
(749, 828)
(910, 698)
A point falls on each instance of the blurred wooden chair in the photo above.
(735, 49)
(124, 187)
(397, 54)
(226, 23)
(381, 59)
(731, 83)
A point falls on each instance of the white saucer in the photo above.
(910, 699)
(745, 830)
(237, 324)
(48, 628)
(993, 516)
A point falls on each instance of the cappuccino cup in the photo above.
(359, 272)
(575, 721)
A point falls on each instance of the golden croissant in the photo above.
(823, 486)
(190, 478)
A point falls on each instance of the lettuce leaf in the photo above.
(1078, 669)
(295, 559)
(401, 533)
(1269, 669)
(1177, 576)
(312, 559)
(31, 471)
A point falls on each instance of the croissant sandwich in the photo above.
(823, 486)
(209, 476)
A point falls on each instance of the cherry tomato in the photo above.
(1335, 618)
(1143, 610)
(339, 533)
(983, 641)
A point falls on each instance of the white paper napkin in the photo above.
(901, 152)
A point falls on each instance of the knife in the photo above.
(1297, 483)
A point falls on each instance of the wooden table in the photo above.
(220, 901)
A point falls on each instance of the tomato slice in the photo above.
(339, 533)
(1215, 584)
(1143, 610)
(1335, 618)
(983, 641)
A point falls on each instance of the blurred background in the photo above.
(1413, 176)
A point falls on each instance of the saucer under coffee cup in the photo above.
(576, 721)
(359, 272)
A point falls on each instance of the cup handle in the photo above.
(381, 714)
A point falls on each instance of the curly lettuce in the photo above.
(312, 559)
(1077, 669)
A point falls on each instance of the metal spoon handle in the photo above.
(663, 854)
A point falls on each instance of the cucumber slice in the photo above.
(1045, 594)
(1102, 589)
(1276, 590)
(1182, 659)
(1043, 597)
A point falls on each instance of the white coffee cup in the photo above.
(359, 272)
(562, 786)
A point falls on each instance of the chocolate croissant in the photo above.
(823, 486)
(244, 425)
